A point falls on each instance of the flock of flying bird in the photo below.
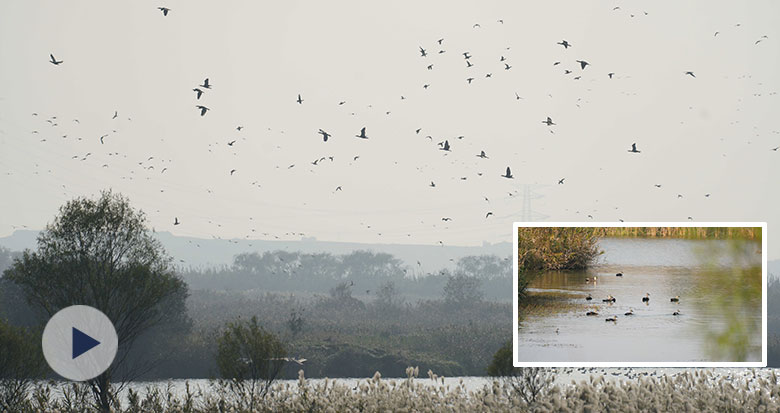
(445, 146)
(609, 300)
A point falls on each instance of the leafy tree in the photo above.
(462, 290)
(100, 253)
(21, 361)
(251, 358)
(486, 267)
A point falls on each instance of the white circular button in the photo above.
(79, 342)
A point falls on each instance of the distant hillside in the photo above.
(199, 252)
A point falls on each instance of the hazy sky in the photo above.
(709, 134)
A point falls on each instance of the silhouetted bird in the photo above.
(560, 182)
(54, 61)
(232, 171)
(362, 134)
(488, 214)
(482, 155)
(508, 173)
(446, 146)
(423, 53)
(231, 143)
(610, 74)
(470, 79)
(206, 84)
(164, 10)
(582, 64)
(199, 93)
(690, 73)
(549, 121)
(175, 221)
(325, 135)
(633, 148)
(203, 110)
(299, 100)
(565, 44)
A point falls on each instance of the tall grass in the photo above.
(691, 391)
(555, 248)
(682, 232)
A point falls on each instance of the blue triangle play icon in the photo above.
(82, 343)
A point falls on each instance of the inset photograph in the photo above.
(670, 294)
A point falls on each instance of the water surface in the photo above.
(664, 268)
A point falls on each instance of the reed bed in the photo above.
(690, 391)
(750, 233)
(556, 248)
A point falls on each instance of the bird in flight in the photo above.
(548, 122)
(506, 66)
(238, 128)
(54, 61)
(560, 182)
(446, 146)
(362, 133)
(517, 97)
(338, 188)
(203, 110)
(690, 73)
(469, 80)
(565, 44)
(206, 84)
(164, 10)
(488, 215)
(446, 219)
(232, 171)
(325, 135)
(231, 143)
(508, 173)
(423, 53)
(610, 74)
(198, 91)
(582, 64)
(299, 100)
(467, 55)
(432, 185)
(115, 115)
(482, 155)
(633, 148)
(775, 149)
(176, 221)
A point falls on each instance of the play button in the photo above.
(82, 343)
(79, 342)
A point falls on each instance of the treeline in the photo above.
(349, 315)
(367, 271)
(750, 233)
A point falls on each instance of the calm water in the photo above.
(663, 268)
